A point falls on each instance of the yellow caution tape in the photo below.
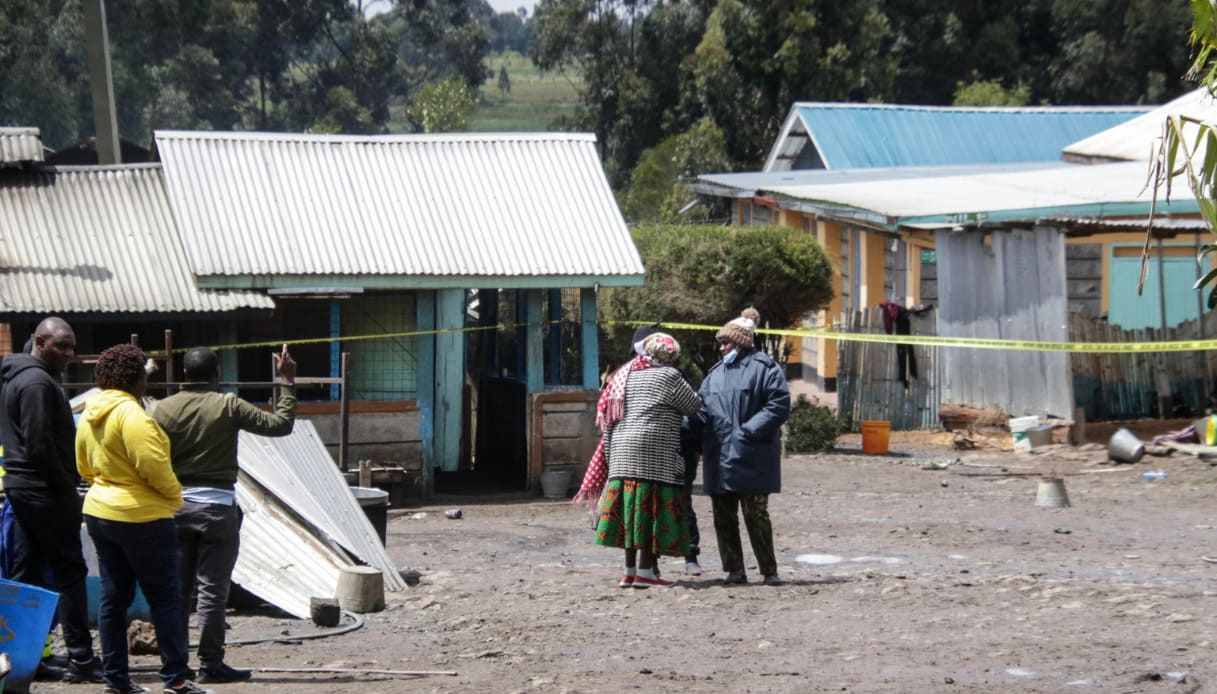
(825, 333)
(971, 342)
(275, 344)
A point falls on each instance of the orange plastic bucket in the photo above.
(875, 435)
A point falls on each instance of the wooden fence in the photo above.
(868, 381)
(1128, 386)
(1107, 386)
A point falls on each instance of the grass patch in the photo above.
(536, 99)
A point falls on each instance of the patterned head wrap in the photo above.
(662, 348)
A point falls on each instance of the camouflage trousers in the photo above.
(760, 530)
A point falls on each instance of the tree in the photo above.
(350, 89)
(659, 187)
(234, 64)
(627, 53)
(510, 31)
(1117, 51)
(36, 44)
(1189, 147)
(441, 38)
(708, 274)
(990, 93)
(756, 59)
(443, 106)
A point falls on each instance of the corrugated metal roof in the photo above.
(411, 207)
(20, 145)
(937, 199)
(1137, 139)
(749, 183)
(1161, 225)
(281, 560)
(846, 136)
(299, 471)
(97, 239)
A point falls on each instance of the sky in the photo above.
(375, 7)
(512, 5)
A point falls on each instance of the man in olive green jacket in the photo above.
(202, 424)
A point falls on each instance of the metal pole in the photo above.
(344, 412)
(1164, 383)
(101, 82)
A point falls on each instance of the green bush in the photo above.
(812, 426)
(706, 274)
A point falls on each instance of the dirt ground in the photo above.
(926, 570)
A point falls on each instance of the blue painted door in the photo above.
(1130, 311)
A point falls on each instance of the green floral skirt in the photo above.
(635, 514)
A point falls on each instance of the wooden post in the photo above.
(534, 343)
(424, 348)
(344, 412)
(135, 339)
(1163, 379)
(1077, 432)
(590, 339)
(553, 310)
(169, 390)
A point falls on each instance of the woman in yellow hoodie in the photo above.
(124, 456)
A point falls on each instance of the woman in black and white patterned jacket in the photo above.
(641, 510)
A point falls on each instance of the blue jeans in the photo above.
(143, 553)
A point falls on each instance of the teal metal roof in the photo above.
(849, 136)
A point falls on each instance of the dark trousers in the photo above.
(690, 514)
(47, 538)
(209, 535)
(143, 554)
(760, 530)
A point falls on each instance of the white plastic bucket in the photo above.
(1018, 431)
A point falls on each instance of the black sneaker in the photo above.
(222, 673)
(773, 580)
(735, 578)
(48, 672)
(79, 671)
(186, 687)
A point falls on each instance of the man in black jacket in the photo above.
(40, 480)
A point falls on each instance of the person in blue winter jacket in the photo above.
(746, 401)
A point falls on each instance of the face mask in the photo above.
(729, 357)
